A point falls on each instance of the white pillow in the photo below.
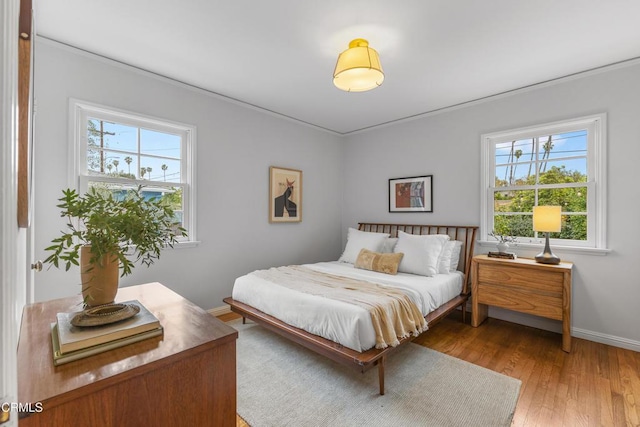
(389, 244)
(449, 257)
(421, 252)
(455, 256)
(357, 240)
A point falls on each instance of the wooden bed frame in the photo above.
(373, 357)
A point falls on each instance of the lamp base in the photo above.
(547, 258)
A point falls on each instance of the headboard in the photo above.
(464, 233)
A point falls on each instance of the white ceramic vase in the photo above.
(503, 247)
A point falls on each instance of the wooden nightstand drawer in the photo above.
(520, 300)
(506, 275)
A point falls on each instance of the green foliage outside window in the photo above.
(519, 204)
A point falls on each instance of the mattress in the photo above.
(338, 321)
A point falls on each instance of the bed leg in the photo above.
(244, 320)
(381, 375)
(463, 307)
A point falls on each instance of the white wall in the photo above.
(345, 180)
(605, 288)
(235, 147)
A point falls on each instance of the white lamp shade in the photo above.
(358, 68)
(547, 218)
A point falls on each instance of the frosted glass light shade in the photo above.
(547, 218)
(358, 68)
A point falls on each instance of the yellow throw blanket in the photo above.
(393, 314)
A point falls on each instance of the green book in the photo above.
(60, 358)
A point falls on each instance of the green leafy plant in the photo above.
(125, 224)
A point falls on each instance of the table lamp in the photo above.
(547, 219)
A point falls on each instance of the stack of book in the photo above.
(72, 342)
(503, 255)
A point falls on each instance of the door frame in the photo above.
(13, 241)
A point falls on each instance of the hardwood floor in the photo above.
(594, 385)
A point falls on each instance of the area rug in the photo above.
(281, 383)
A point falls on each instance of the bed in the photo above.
(253, 298)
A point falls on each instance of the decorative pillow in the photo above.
(382, 263)
(455, 256)
(389, 244)
(421, 252)
(446, 262)
(356, 240)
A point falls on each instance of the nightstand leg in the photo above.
(479, 313)
(566, 312)
(566, 341)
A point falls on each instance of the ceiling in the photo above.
(279, 55)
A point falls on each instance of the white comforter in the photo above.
(337, 321)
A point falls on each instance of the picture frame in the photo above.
(411, 194)
(285, 195)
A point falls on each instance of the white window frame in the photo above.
(79, 114)
(596, 184)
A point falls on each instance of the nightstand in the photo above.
(522, 285)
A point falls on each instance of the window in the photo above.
(561, 164)
(118, 150)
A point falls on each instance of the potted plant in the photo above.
(108, 231)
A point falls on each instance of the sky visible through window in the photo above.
(517, 160)
(132, 152)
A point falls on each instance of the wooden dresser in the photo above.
(185, 378)
(522, 285)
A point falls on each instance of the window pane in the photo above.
(119, 164)
(568, 144)
(118, 190)
(105, 162)
(558, 172)
(95, 161)
(514, 201)
(502, 176)
(172, 195)
(515, 162)
(155, 169)
(113, 135)
(571, 199)
(574, 227)
(515, 174)
(159, 143)
(109, 163)
(514, 225)
(503, 152)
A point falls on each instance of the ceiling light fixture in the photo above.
(358, 68)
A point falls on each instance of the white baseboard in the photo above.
(219, 311)
(556, 326)
(611, 340)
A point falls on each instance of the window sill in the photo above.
(185, 245)
(555, 248)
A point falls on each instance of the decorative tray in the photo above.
(104, 314)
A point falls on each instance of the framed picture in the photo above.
(285, 195)
(413, 194)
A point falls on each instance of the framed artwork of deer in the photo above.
(285, 195)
